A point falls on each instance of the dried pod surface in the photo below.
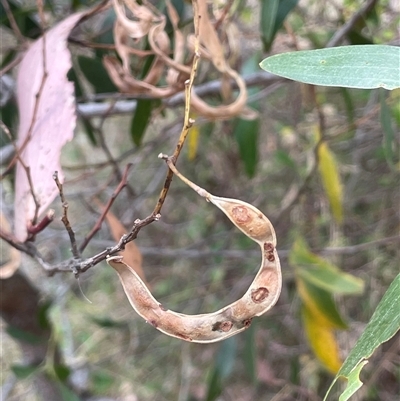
(232, 319)
(247, 218)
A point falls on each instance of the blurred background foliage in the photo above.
(334, 204)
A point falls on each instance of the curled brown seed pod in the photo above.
(232, 319)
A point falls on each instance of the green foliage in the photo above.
(25, 18)
(96, 74)
(23, 336)
(384, 324)
(273, 14)
(222, 368)
(140, 120)
(23, 371)
(246, 133)
(364, 67)
(321, 273)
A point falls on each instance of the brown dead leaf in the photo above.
(54, 124)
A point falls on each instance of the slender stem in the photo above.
(110, 202)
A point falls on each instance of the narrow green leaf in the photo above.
(108, 322)
(361, 66)
(62, 372)
(22, 372)
(384, 324)
(96, 74)
(249, 352)
(284, 158)
(140, 120)
(23, 336)
(321, 304)
(269, 11)
(66, 393)
(321, 273)
(284, 8)
(223, 367)
(354, 382)
(388, 131)
(246, 135)
(102, 381)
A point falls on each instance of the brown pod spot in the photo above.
(271, 257)
(162, 307)
(247, 323)
(152, 322)
(268, 247)
(240, 214)
(222, 326)
(259, 294)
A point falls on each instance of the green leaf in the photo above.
(321, 273)
(23, 336)
(283, 157)
(96, 74)
(222, 369)
(269, 11)
(108, 323)
(140, 120)
(62, 372)
(66, 393)
(102, 381)
(354, 382)
(384, 324)
(43, 315)
(250, 352)
(24, 17)
(23, 371)
(273, 14)
(284, 8)
(388, 131)
(362, 66)
(321, 304)
(246, 135)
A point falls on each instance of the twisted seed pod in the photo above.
(232, 319)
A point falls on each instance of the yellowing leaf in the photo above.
(193, 142)
(321, 304)
(320, 272)
(331, 182)
(322, 341)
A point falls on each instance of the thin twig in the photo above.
(41, 225)
(188, 122)
(224, 13)
(92, 45)
(97, 226)
(13, 23)
(64, 218)
(13, 63)
(27, 172)
(349, 25)
(103, 144)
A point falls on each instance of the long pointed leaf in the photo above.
(361, 66)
